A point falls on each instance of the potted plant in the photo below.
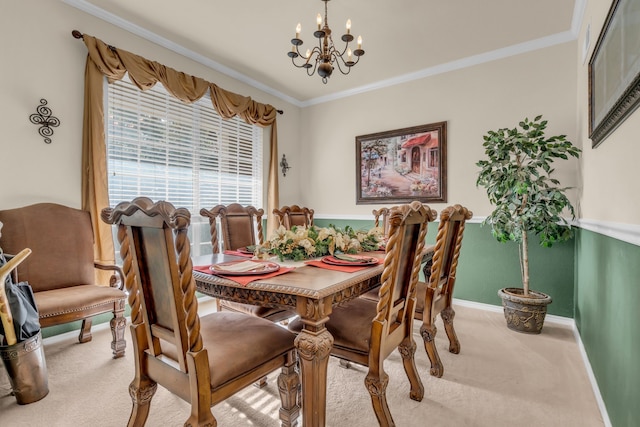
(517, 177)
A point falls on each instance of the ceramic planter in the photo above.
(524, 313)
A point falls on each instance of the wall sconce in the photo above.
(284, 165)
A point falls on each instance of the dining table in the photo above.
(309, 289)
(312, 292)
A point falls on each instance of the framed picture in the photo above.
(614, 71)
(402, 165)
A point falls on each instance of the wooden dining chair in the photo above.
(366, 332)
(381, 215)
(436, 293)
(294, 215)
(238, 225)
(203, 360)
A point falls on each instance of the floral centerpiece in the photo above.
(303, 243)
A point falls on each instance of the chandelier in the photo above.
(323, 56)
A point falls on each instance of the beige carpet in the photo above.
(500, 378)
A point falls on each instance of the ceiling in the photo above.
(403, 39)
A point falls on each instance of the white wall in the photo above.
(40, 59)
(610, 171)
(472, 100)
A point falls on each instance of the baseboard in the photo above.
(563, 321)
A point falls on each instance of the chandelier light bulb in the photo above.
(298, 30)
(307, 54)
(349, 58)
(319, 20)
(348, 26)
(359, 42)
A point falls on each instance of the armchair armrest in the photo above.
(117, 279)
(14, 272)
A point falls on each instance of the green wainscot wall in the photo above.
(486, 265)
(608, 318)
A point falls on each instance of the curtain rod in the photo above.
(78, 35)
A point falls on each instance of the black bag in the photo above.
(22, 305)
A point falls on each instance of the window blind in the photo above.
(186, 154)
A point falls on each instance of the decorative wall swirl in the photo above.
(46, 121)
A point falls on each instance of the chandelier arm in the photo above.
(312, 70)
(337, 60)
(340, 54)
(305, 59)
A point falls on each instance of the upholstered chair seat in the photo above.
(248, 342)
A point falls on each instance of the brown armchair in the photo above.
(61, 268)
(366, 332)
(203, 360)
(288, 216)
(238, 225)
(435, 295)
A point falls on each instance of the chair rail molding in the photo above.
(629, 233)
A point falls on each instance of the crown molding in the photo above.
(471, 61)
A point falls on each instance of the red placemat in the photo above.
(345, 268)
(238, 253)
(243, 280)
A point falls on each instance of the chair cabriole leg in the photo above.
(85, 330)
(407, 350)
(141, 388)
(428, 332)
(376, 383)
(447, 317)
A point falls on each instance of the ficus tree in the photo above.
(517, 176)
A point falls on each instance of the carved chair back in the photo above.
(447, 251)
(158, 276)
(238, 225)
(294, 215)
(382, 214)
(397, 294)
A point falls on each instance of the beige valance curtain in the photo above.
(105, 60)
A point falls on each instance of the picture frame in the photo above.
(614, 71)
(402, 165)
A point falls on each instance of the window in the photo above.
(433, 157)
(186, 154)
